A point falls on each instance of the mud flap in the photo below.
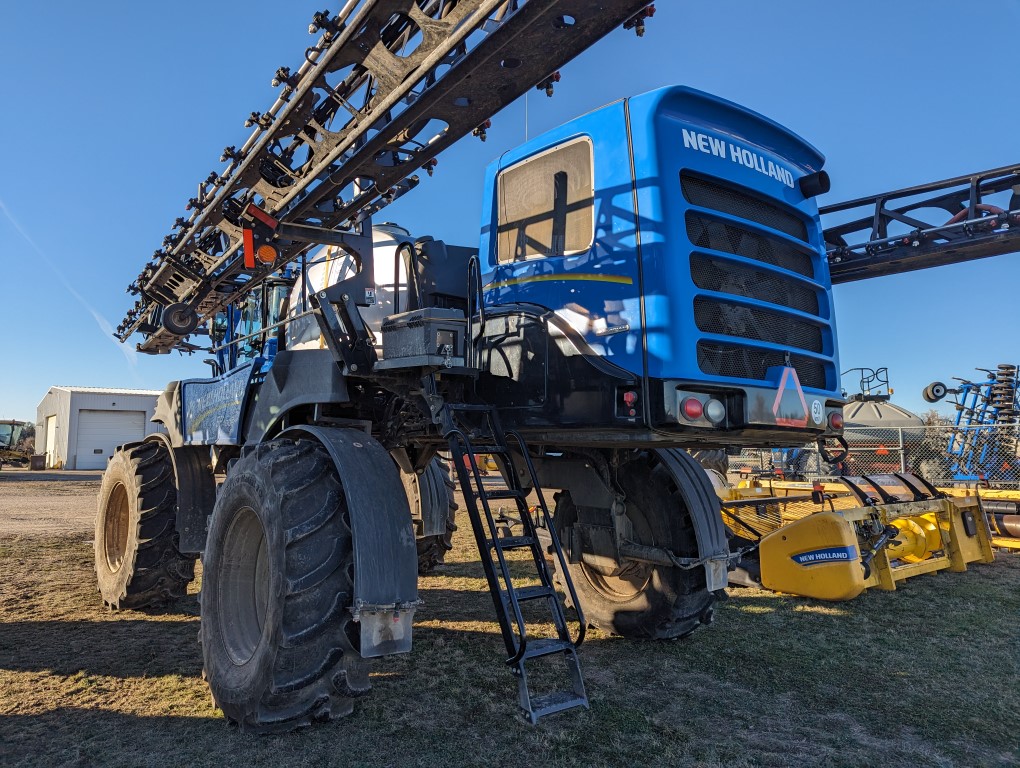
(704, 507)
(385, 555)
(196, 496)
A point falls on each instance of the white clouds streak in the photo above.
(104, 325)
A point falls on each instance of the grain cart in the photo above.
(649, 277)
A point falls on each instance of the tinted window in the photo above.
(546, 204)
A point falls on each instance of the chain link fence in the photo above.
(943, 455)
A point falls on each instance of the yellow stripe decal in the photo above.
(619, 279)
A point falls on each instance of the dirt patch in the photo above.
(923, 676)
(46, 503)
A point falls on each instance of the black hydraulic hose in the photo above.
(880, 543)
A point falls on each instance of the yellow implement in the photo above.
(877, 531)
(1001, 506)
(1003, 510)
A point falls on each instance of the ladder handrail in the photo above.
(521, 647)
(554, 536)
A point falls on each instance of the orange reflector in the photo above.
(266, 253)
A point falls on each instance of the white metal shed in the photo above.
(80, 427)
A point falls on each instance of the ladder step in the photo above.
(511, 542)
(546, 647)
(507, 494)
(556, 701)
(492, 449)
(533, 593)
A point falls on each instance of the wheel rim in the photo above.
(623, 587)
(620, 588)
(243, 592)
(115, 527)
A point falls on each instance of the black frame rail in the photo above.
(389, 85)
(973, 229)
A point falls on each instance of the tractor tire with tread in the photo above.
(648, 601)
(434, 487)
(279, 643)
(137, 560)
(716, 459)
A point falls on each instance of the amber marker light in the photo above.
(267, 254)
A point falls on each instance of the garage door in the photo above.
(100, 432)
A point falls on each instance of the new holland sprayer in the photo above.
(649, 278)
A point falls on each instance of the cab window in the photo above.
(546, 204)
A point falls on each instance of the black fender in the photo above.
(168, 413)
(385, 554)
(705, 510)
(196, 491)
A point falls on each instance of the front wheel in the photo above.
(636, 599)
(138, 563)
(278, 640)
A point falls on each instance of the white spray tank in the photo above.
(330, 264)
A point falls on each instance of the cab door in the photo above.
(561, 234)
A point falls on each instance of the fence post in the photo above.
(903, 451)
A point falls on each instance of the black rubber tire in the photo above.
(718, 460)
(278, 641)
(179, 319)
(138, 563)
(934, 392)
(672, 602)
(436, 488)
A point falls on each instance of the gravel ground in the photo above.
(51, 502)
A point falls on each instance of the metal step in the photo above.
(467, 407)
(511, 542)
(510, 493)
(557, 701)
(533, 593)
(489, 448)
(536, 649)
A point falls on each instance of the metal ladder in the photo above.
(490, 439)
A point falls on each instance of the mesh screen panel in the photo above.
(705, 232)
(714, 274)
(730, 319)
(752, 363)
(708, 194)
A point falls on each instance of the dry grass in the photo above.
(926, 676)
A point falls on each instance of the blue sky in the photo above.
(114, 112)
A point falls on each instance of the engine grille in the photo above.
(730, 319)
(753, 363)
(707, 194)
(768, 281)
(705, 232)
(713, 274)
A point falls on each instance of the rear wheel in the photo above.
(642, 600)
(138, 563)
(432, 493)
(717, 460)
(278, 642)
